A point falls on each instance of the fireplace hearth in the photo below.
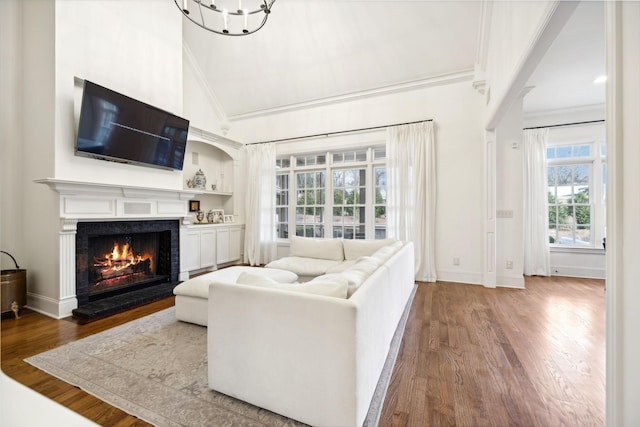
(123, 264)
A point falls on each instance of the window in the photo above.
(337, 194)
(310, 204)
(576, 177)
(282, 205)
(380, 202)
(349, 203)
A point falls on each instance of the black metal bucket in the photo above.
(13, 285)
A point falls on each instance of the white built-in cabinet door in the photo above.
(229, 244)
(200, 251)
(235, 243)
(207, 248)
(191, 251)
(222, 245)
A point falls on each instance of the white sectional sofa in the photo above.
(298, 351)
(192, 295)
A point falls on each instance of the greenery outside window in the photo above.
(350, 204)
(576, 177)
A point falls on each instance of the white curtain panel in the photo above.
(260, 210)
(411, 192)
(536, 210)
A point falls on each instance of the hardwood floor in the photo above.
(473, 356)
(470, 356)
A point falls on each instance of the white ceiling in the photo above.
(564, 78)
(316, 50)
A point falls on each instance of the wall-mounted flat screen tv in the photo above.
(119, 128)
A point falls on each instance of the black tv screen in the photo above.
(118, 128)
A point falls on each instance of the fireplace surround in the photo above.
(105, 283)
(83, 203)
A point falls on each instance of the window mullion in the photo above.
(370, 198)
(328, 197)
(293, 196)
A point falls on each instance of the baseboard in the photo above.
(516, 282)
(580, 272)
(51, 307)
(460, 277)
(476, 279)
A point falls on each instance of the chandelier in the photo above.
(227, 17)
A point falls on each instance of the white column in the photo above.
(489, 268)
(67, 266)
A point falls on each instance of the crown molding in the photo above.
(596, 109)
(440, 80)
(226, 144)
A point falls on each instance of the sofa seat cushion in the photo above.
(198, 286)
(344, 265)
(303, 266)
(329, 249)
(334, 287)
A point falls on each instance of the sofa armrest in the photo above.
(288, 352)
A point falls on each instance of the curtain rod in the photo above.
(338, 132)
(566, 124)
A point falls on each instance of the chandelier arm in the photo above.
(201, 14)
(266, 10)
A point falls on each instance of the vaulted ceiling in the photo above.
(313, 51)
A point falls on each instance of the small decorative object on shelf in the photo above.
(228, 218)
(199, 181)
(210, 216)
(213, 187)
(200, 216)
(217, 216)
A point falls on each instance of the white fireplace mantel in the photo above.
(86, 201)
(66, 187)
(91, 201)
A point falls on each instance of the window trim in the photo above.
(598, 210)
(369, 165)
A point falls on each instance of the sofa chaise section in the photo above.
(313, 358)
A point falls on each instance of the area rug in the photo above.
(155, 368)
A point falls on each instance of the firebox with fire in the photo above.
(120, 267)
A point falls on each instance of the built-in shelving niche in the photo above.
(218, 167)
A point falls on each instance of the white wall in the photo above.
(200, 104)
(623, 205)
(506, 54)
(509, 61)
(40, 222)
(135, 50)
(509, 184)
(456, 110)
(10, 133)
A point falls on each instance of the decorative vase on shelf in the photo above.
(210, 217)
(200, 216)
(199, 181)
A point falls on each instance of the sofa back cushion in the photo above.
(354, 249)
(386, 252)
(307, 247)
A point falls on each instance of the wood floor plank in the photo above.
(470, 356)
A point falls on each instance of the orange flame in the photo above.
(120, 258)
